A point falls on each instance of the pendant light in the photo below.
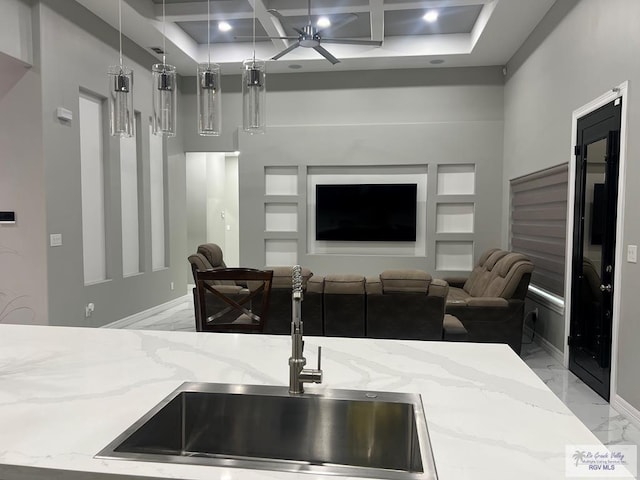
(254, 91)
(120, 93)
(209, 91)
(164, 92)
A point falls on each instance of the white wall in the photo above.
(580, 51)
(212, 203)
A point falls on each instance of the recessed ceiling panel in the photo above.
(239, 27)
(450, 20)
(358, 28)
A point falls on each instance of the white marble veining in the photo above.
(607, 424)
(67, 392)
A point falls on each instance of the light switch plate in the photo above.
(55, 239)
(632, 253)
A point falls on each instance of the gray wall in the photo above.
(400, 117)
(23, 285)
(76, 50)
(576, 54)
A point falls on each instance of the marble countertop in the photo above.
(65, 393)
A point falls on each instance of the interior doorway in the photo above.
(593, 262)
(213, 203)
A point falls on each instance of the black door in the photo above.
(594, 239)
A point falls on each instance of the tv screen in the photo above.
(366, 212)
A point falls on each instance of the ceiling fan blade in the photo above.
(283, 20)
(249, 37)
(286, 50)
(326, 54)
(350, 17)
(352, 41)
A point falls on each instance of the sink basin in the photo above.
(338, 432)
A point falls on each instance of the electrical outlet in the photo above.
(89, 309)
(632, 253)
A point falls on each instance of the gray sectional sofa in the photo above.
(487, 306)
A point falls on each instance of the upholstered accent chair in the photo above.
(280, 306)
(490, 302)
(405, 304)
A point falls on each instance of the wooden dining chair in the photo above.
(232, 299)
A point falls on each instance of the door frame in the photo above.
(621, 91)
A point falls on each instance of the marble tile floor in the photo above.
(607, 424)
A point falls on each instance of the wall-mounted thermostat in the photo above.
(7, 217)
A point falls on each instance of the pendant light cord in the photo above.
(254, 32)
(209, 30)
(164, 37)
(120, 29)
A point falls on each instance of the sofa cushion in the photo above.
(200, 262)
(457, 296)
(315, 284)
(405, 281)
(477, 278)
(344, 284)
(506, 275)
(213, 254)
(481, 275)
(373, 285)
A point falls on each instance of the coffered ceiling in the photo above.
(465, 33)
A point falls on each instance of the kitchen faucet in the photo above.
(298, 375)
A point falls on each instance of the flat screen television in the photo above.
(366, 212)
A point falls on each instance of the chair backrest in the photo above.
(500, 274)
(208, 257)
(231, 307)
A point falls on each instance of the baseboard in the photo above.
(136, 317)
(546, 345)
(625, 408)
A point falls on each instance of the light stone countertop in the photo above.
(65, 393)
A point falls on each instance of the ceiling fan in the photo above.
(310, 36)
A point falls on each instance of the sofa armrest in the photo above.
(487, 302)
(457, 282)
(438, 288)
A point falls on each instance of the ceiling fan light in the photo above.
(254, 96)
(209, 100)
(323, 22)
(164, 100)
(431, 16)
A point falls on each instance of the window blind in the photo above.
(539, 224)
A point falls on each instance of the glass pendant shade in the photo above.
(254, 96)
(165, 95)
(209, 99)
(121, 115)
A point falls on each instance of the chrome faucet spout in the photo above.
(298, 375)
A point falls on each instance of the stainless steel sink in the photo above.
(339, 432)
